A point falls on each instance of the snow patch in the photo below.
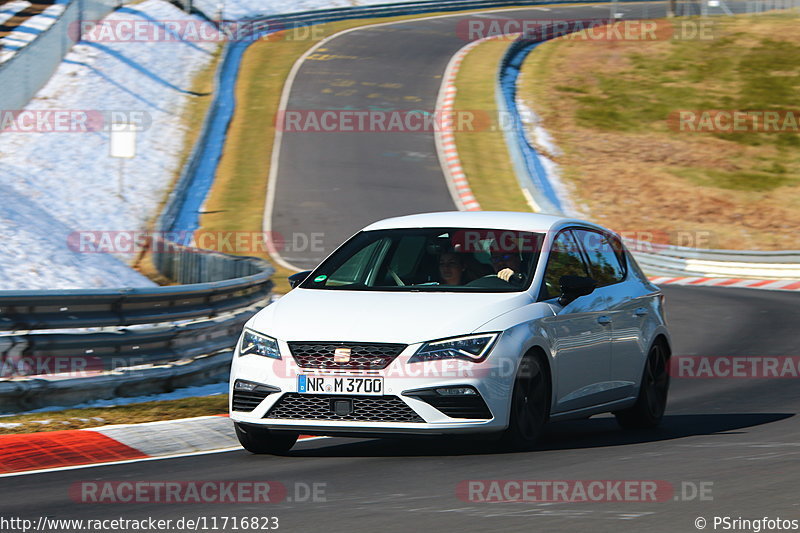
(53, 184)
(546, 149)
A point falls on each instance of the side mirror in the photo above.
(573, 287)
(297, 279)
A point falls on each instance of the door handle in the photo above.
(641, 311)
(604, 320)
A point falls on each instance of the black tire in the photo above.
(649, 408)
(264, 441)
(530, 406)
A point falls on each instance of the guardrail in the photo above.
(210, 9)
(525, 160)
(100, 308)
(72, 352)
(665, 260)
(655, 259)
(154, 338)
(407, 8)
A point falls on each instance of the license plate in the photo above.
(362, 386)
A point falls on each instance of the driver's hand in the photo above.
(505, 274)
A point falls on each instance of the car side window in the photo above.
(355, 268)
(565, 260)
(604, 253)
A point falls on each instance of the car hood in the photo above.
(356, 316)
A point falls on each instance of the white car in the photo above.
(480, 323)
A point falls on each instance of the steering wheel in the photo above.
(488, 281)
(396, 278)
(487, 276)
(516, 278)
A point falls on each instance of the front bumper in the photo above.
(491, 379)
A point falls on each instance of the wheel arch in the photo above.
(662, 339)
(541, 354)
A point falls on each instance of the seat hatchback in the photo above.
(457, 323)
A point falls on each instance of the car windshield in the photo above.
(431, 259)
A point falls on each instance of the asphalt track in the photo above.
(329, 185)
(332, 184)
(741, 435)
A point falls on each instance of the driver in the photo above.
(506, 263)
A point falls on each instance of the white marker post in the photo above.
(122, 146)
(614, 13)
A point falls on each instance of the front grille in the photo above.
(363, 356)
(365, 408)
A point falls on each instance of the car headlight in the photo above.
(258, 344)
(473, 348)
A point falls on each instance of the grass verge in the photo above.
(121, 414)
(484, 153)
(611, 108)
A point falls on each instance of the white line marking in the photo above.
(531, 202)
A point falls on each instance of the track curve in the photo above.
(336, 183)
(740, 435)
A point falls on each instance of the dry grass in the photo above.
(123, 414)
(606, 104)
(484, 153)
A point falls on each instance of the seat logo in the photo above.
(341, 355)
